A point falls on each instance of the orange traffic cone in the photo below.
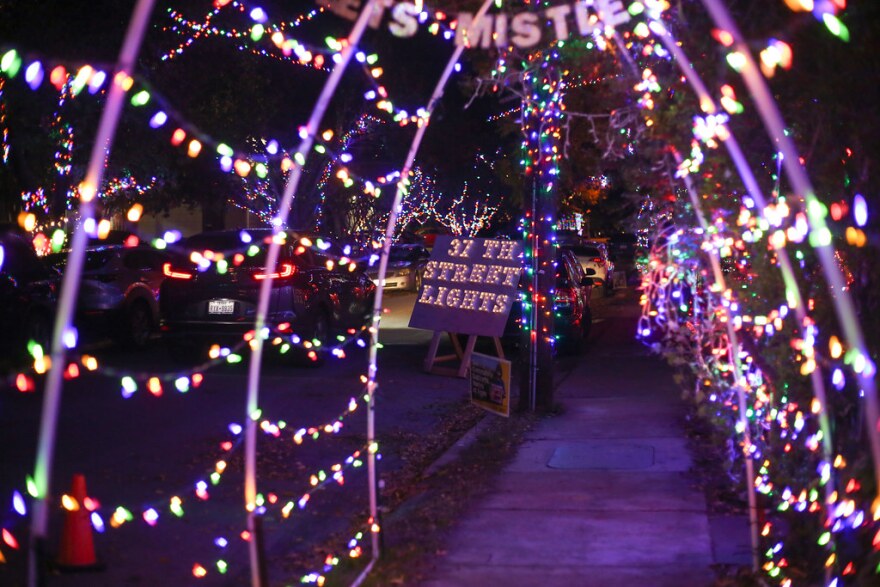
(77, 552)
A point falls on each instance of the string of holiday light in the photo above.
(836, 376)
(70, 282)
(542, 127)
(317, 481)
(151, 513)
(818, 388)
(297, 52)
(354, 551)
(664, 312)
(808, 350)
(187, 134)
(364, 125)
(4, 129)
(462, 222)
(70, 85)
(706, 132)
(464, 215)
(307, 136)
(280, 336)
(816, 212)
(402, 188)
(825, 12)
(291, 50)
(62, 133)
(242, 165)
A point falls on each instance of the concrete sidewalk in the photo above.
(601, 493)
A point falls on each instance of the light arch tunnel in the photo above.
(716, 336)
(693, 315)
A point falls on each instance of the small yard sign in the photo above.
(490, 383)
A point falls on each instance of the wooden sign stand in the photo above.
(463, 355)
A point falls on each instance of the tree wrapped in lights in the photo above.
(461, 220)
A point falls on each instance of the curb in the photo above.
(452, 453)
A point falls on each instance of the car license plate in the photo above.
(221, 306)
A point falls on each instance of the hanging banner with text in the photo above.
(490, 383)
(469, 286)
(523, 29)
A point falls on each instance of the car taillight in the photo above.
(284, 270)
(598, 260)
(565, 297)
(169, 271)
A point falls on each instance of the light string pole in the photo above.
(70, 286)
(307, 136)
(543, 110)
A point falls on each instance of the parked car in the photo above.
(594, 255)
(573, 281)
(568, 238)
(573, 316)
(29, 290)
(406, 267)
(119, 292)
(429, 233)
(313, 297)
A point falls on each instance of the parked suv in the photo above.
(594, 255)
(573, 316)
(213, 286)
(119, 292)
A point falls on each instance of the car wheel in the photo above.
(322, 328)
(418, 281)
(138, 324)
(587, 323)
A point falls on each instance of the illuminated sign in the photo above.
(469, 286)
(522, 29)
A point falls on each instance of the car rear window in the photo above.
(586, 251)
(406, 254)
(141, 259)
(97, 259)
(92, 261)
